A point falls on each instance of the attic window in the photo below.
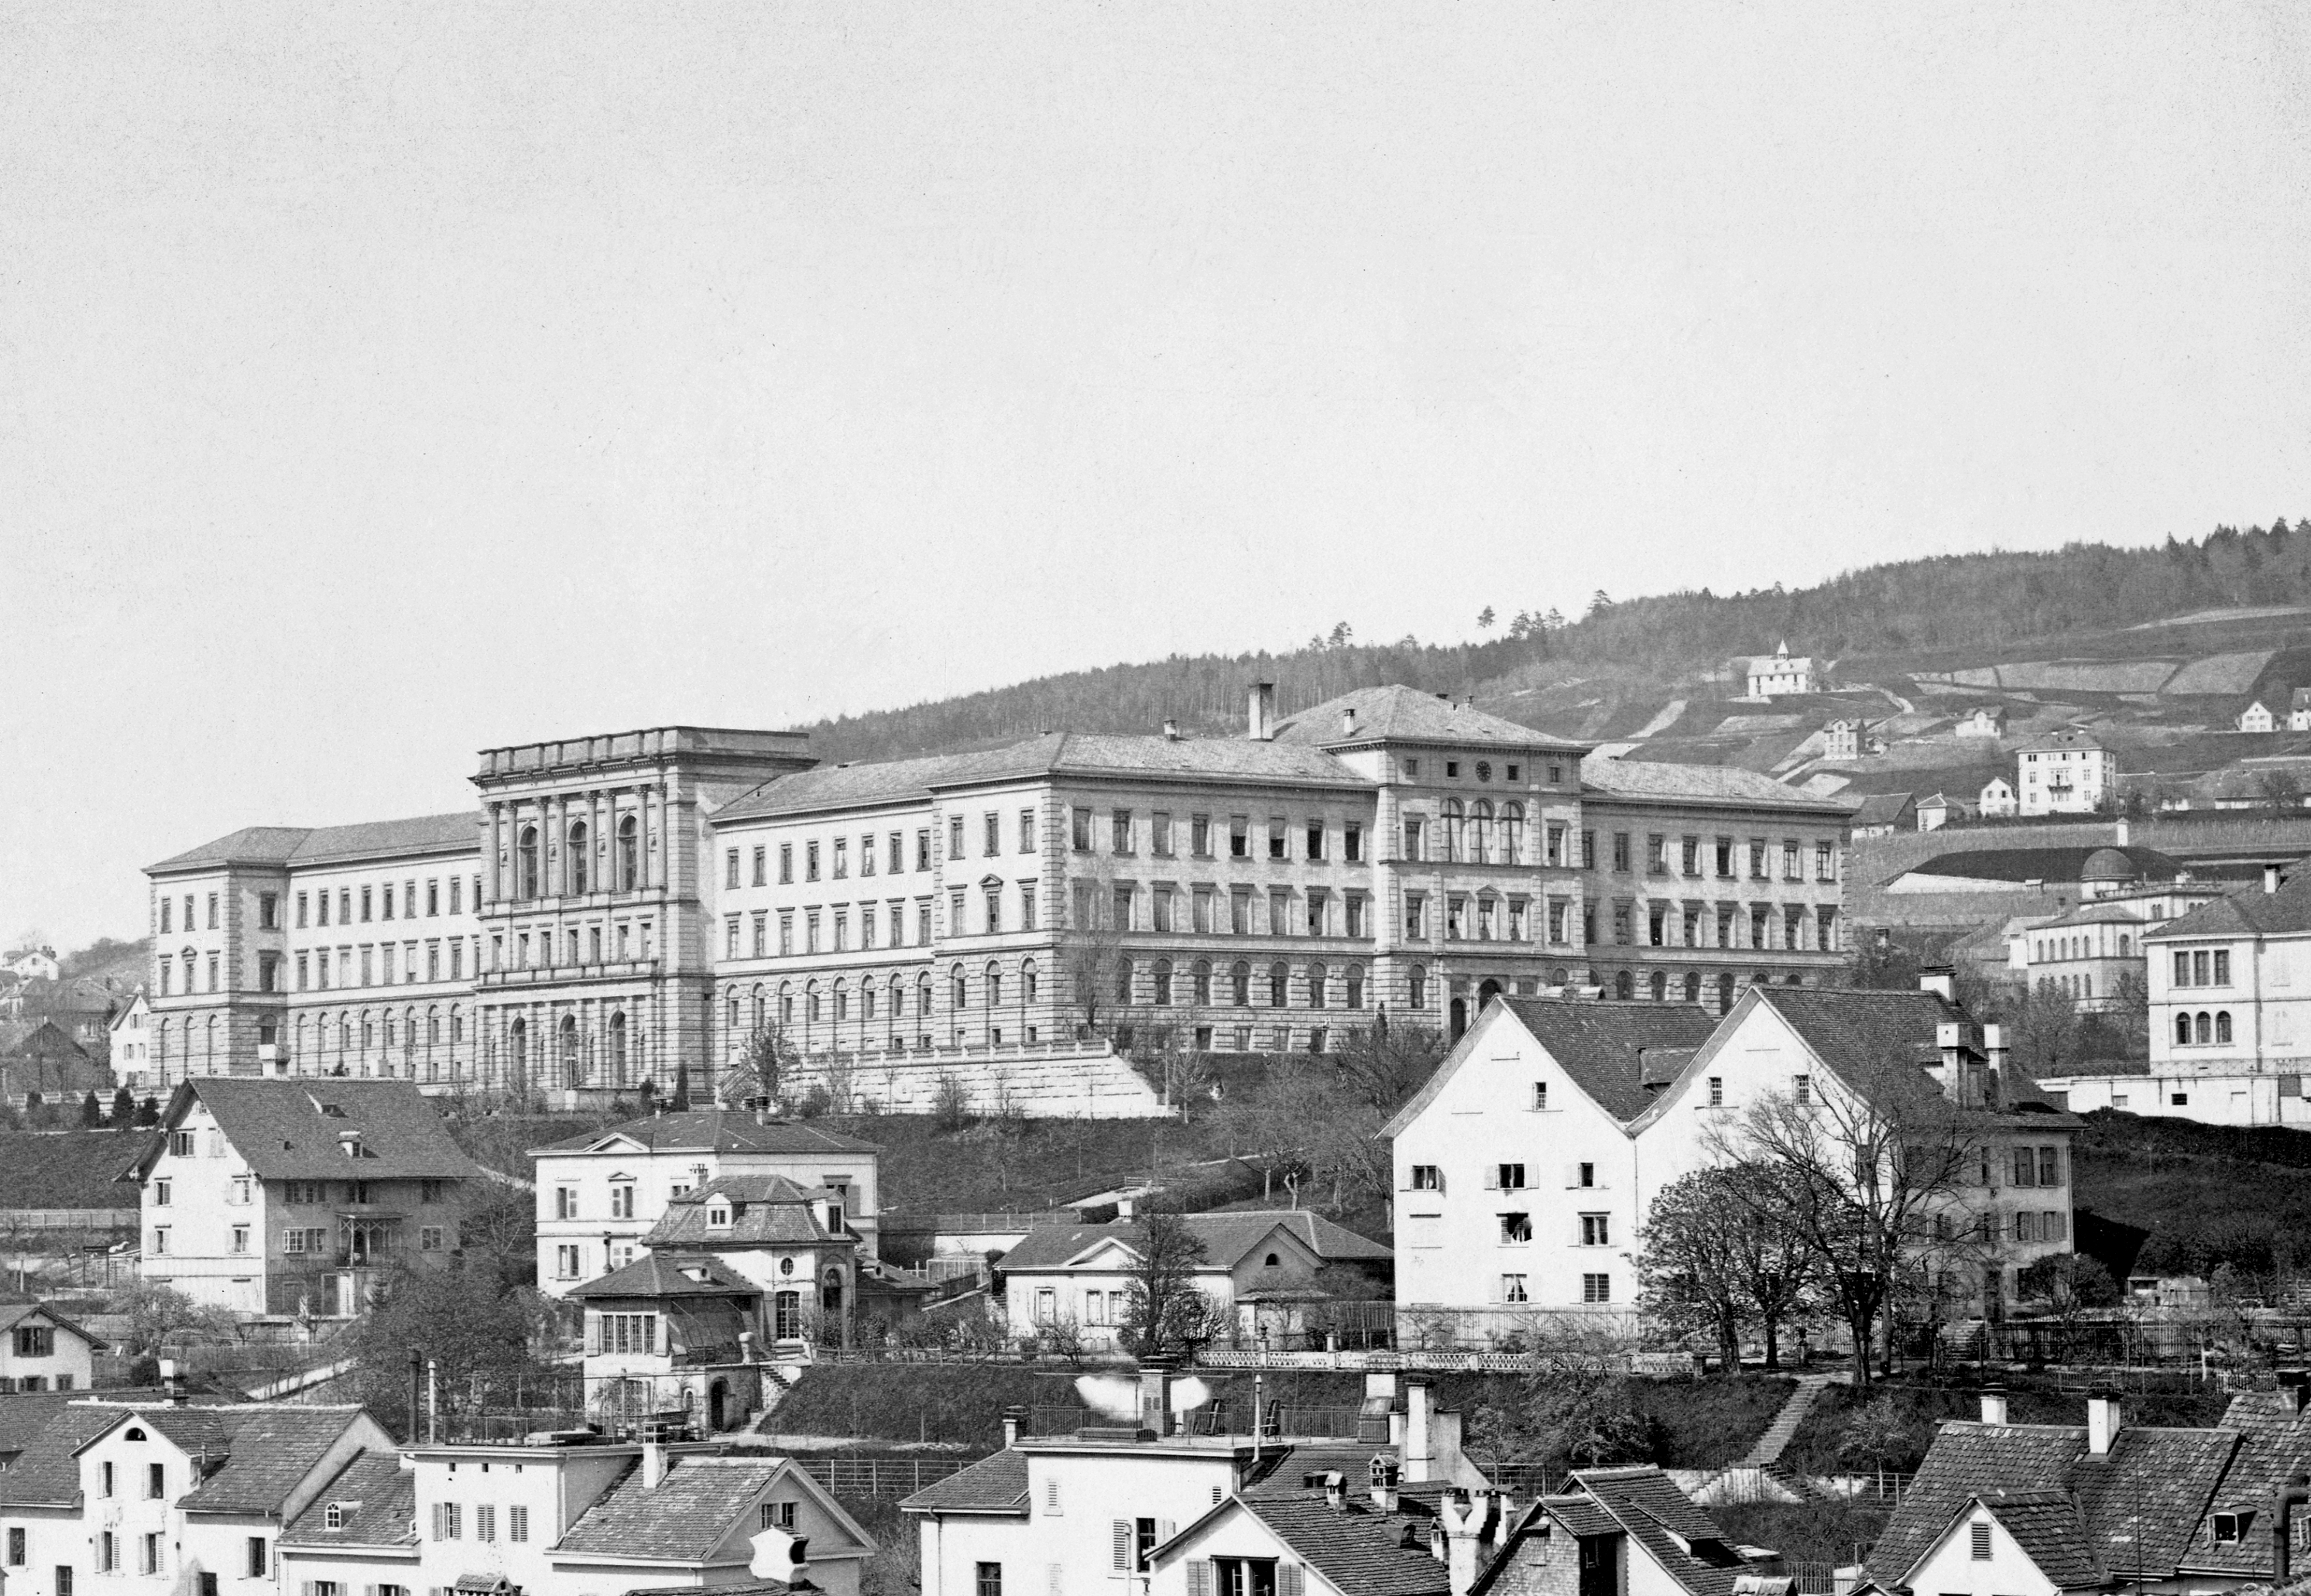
(131, 1434)
(2230, 1528)
(1272, 1262)
(718, 1215)
(333, 1516)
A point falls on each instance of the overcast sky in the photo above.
(381, 382)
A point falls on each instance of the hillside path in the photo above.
(1777, 1435)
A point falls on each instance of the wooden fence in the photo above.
(881, 1477)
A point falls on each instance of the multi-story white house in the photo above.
(2064, 773)
(2230, 984)
(1528, 1164)
(1988, 721)
(1778, 674)
(601, 1193)
(2258, 717)
(132, 1063)
(1996, 800)
(40, 1349)
(297, 1197)
(580, 1519)
(163, 1500)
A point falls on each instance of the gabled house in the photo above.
(153, 1500)
(2257, 717)
(581, 1519)
(48, 1066)
(667, 1333)
(1616, 1532)
(2298, 710)
(1882, 814)
(297, 1197)
(133, 1064)
(1937, 810)
(2104, 1506)
(1526, 1164)
(1988, 721)
(42, 1350)
(790, 1243)
(600, 1194)
(1255, 1266)
(1996, 801)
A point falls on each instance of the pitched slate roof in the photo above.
(1401, 714)
(2141, 1503)
(289, 1129)
(692, 1508)
(1874, 1040)
(2253, 912)
(764, 1210)
(2275, 1441)
(1355, 1547)
(271, 1451)
(655, 1274)
(712, 1130)
(1700, 783)
(380, 1500)
(298, 844)
(2051, 1532)
(1884, 808)
(1648, 1506)
(47, 1471)
(1227, 1238)
(2067, 863)
(1606, 1045)
(997, 1484)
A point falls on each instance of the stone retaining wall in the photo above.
(1083, 1084)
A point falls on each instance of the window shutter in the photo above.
(1492, 1177)
(1121, 1528)
(1199, 1577)
(1290, 1580)
(1055, 1579)
(1164, 1529)
(308, 1588)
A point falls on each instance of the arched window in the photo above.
(810, 1004)
(525, 863)
(760, 1008)
(1240, 984)
(733, 1024)
(1558, 977)
(618, 1049)
(2222, 1024)
(1356, 984)
(786, 1003)
(1203, 975)
(163, 1056)
(1511, 833)
(994, 985)
(1418, 994)
(1624, 986)
(573, 1070)
(456, 1027)
(1661, 986)
(1122, 984)
(841, 1002)
(578, 874)
(923, 996)
(346, 1033)
(1163, 982)
(368, 1031)
(866, 1000)
(1480, 831)
(1692, 988)
(1455, 822)
(1030, 984)
(898, 999)
(1319, 978)
(2126, 944)
(2182, 1030)
(518, 1047)
(961, 989)
(432, 1026)
(629, 853)
(1725, 993)
(1280, 985)
(2206, 1026)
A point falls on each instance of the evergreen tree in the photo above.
(681, 1103)
(124, 1108)
(92, 1112)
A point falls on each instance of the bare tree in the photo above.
(1168, 1054)
(1092, 953)
(1719, 1257)
(1165, 1311)
(1866, 1175)
(764, 1067)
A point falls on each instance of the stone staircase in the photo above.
(1778, 1434)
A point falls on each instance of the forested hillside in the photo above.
(1949, 603)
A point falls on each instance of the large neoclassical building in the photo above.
(619, 907)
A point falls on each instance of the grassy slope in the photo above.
(71, 1169)
(1815, 1449)
(2207, 1194)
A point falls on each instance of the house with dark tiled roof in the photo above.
(48, 1065)
(152, 1499)
(580, 1517)
(40, 1349)
(1259, 1270)
(1165, 1456)
(1525, 1165)
(296, 1198)
(2105, 1505)
(603, 1194)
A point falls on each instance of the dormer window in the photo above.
(2230, 1528)
(718, 1215)
(332, 1517)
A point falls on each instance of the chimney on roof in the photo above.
(1993, 1045)
(1994, 1404)
(1261, 727)
(2295, 1388)
(1419, 1427)
(1013, 1416)
(1336, 1491)
(2269, 878)
(2119, 834)
(1464, 1536)
(2104, 1421)
(653, 1464)
(1155, 1395)
(1383, 1484)
(1349, 721)
(1939, 980)
(1171, 730)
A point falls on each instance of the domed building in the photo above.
(2107, 873)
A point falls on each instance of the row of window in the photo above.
(1595, 1288)
(1245, 838)
(572, 869)
(828, 930)
(817, 853)
(384, 963)
(308, 1240)
(2047, 949)
(1684, 925)
(450, 1522)
(1695, 852)
(2203, 967)
(2202, 1029)
(619, 943)
(381, 900)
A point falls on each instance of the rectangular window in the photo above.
(1513, 1289)
(1278, 838)
(449, 1521)
(1316, 840)
(1540, 1097)
(761, 866)
(729, 873)
(1352, 843)
(810, 861)
(923, 848)
(991, 844)
(987, 1580)
(1596, 1288)
(2222, 966)
(1621, 853)
(842, 858)
(1415, 917)
(1515, 1229)
(1240, 836)
(1119, 833)
(1596, 1230)
(256, 1565)
(1239, 911)
(1353, 912)
(1588, 851)
(1079, 829)
(1413, 837)
(1512, 1177)
(485, 1524)
(1801, 1087)
(1427, 1177)
(2049, 1168)
(1825, 861)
